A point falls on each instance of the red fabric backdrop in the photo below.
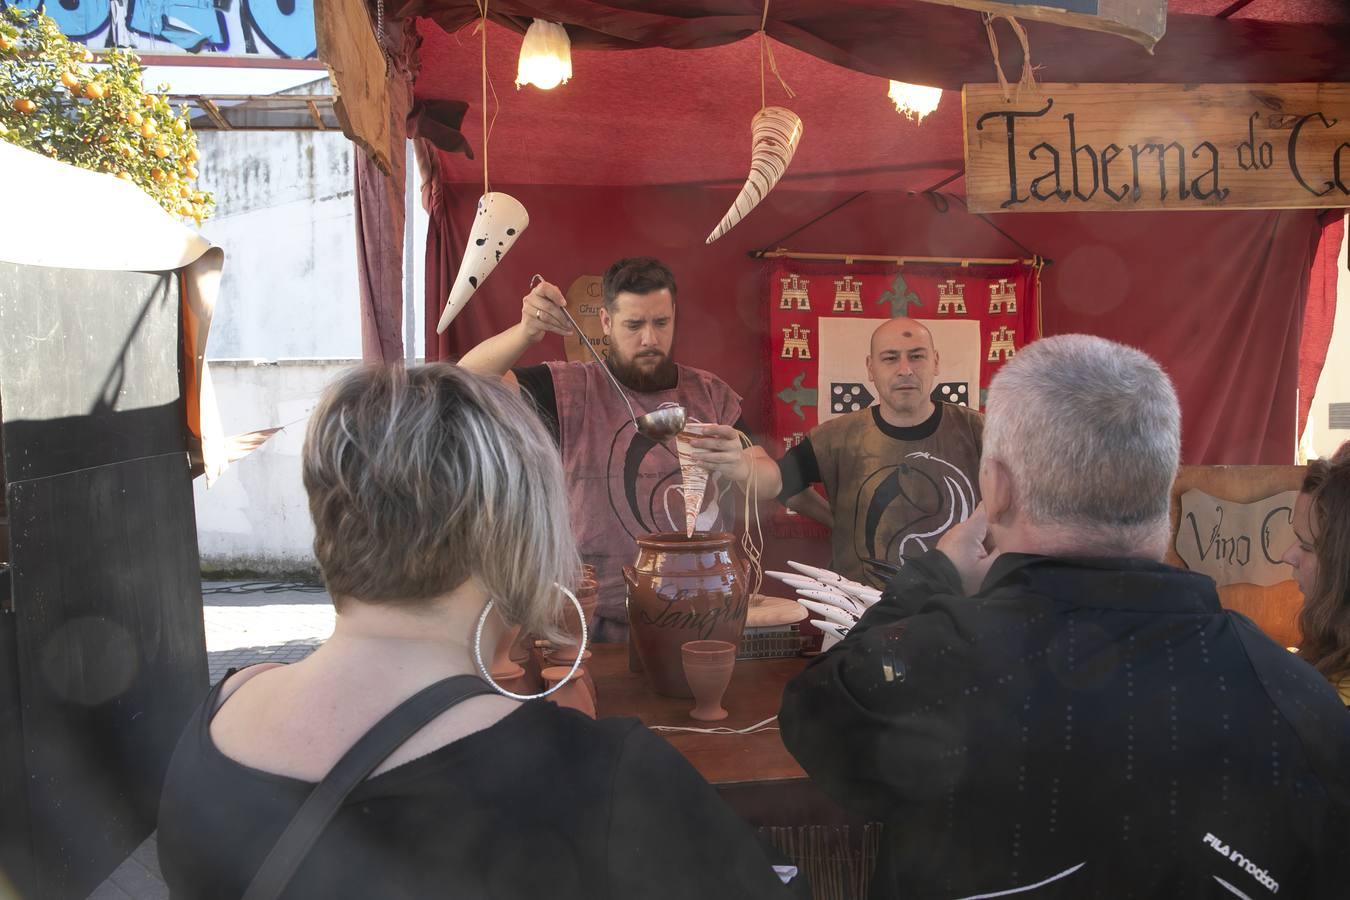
(1216, 297)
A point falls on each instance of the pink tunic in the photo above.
(620, 484)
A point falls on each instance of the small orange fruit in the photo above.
(70, 79)
(161, 151)
(24, 105)
(136, 119)
(157, 174)
(179, 126)
(124, 176)
(94, 91)
(194, 155)
(148, 128)
(191, 172)
(5, 43)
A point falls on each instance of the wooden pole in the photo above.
(850, 258)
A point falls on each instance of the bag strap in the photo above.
(375, 746)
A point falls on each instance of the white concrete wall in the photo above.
(255, 517)
(287, 322)
(1334, 385)
(285, 216)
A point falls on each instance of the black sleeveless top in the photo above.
(545, 803)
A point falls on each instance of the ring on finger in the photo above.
(537, 316)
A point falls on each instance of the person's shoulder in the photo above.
(859, 418)
(702, 377)
(960, 413)
(712, 386)
(577, 731)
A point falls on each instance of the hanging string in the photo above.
(752, 546)
(487, 84)
(1028, 79)
(766, 51)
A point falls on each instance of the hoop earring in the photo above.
(487, 676)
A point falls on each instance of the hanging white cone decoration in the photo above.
(500, 220)
(774, 135)
(693, 481)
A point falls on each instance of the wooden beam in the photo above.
(214, 112)
(850, 258)
(318, 118)
(1232, 8)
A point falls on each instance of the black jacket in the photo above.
(1100, 722)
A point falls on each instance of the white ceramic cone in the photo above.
(499, 221)
(693, 481)
(774, 135)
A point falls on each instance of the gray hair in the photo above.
(422, 478)
(1091, 433)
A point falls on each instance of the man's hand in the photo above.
(965, 546)
(540, 313)
(718, 449)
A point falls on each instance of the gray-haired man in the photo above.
(1040, 705)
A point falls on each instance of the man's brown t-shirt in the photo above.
(892, 491)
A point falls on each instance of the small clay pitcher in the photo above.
(588, 595)
(574, 694)
(708, 666)
(683, 589)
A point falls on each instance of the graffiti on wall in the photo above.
(260, 28)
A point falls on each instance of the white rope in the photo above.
(752, 729)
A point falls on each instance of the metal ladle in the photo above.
(665, 422)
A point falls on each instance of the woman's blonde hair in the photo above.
(421, 478)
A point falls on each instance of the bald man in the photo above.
(896, 475)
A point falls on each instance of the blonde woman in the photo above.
(435, 493)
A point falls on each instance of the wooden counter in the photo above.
(723, 759)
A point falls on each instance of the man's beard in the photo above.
(637, 378)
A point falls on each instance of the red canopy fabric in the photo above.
(641, 153)
(1292, 40)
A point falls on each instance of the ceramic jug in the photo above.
(683, 589)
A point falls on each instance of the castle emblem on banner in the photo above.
(847, 295)
(1001, 342)
(794, 290)
(1002, 296)
(951, 298)
(794, 342)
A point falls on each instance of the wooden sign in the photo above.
(1235, 542)
(347, 46)
(585, 299)
(1274, 607)
(1092, 147)
(1143, 21)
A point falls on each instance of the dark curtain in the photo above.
(943, 46)
(380, 214)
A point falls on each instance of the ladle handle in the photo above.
(585, 340)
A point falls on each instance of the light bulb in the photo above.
(545, 56)
(914, 101)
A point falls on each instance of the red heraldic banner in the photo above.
(821, 319)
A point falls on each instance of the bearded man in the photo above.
(621, 485)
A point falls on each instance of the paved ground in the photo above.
(245, 623)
